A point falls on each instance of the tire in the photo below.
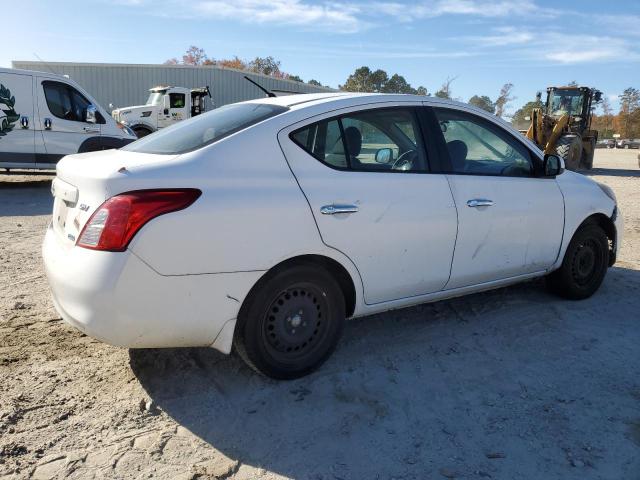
(569, 147)
(141, 132)
(584, 266)
(587, 157)
(291, 323)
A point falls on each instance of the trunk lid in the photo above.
(84, 181)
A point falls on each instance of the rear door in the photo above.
(366, 177)
(17, 126)
(510, 220)
(62, 110)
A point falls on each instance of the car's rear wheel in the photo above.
(291, 323)
(584, 266)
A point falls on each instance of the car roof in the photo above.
(307, 100)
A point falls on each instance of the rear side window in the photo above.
(373, 140)
(205, 129)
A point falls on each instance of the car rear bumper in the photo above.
(116, 298)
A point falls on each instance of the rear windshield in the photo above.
(204, 129)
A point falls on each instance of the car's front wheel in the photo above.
(584, 266)
(290, 324)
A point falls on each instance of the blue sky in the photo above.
(530, 43)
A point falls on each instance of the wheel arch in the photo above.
(142, 126)
(607, 224)
(335, 268)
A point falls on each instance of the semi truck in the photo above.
(165, 106)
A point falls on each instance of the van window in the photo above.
(65, 102)
(205, 129)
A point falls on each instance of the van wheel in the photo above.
(141, 132)
(291, 323)
(584, 266)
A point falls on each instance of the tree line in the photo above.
(626, 121)
(196, 56)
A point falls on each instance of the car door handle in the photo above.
(333, 209)
(479, 202)
(91, 129)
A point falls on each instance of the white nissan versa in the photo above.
(263, 225)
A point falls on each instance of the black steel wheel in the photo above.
(584, 266)
(291, 322)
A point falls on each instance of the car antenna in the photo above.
(267, 92)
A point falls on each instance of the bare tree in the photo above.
(503, 99)
(445, 89)
(607, 111)
(194, 56)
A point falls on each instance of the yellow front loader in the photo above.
(563, 127)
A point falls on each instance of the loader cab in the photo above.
(573, 101)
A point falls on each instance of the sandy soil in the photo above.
(508, 384)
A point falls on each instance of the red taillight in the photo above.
(116, 221)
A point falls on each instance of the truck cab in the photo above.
(165, 106)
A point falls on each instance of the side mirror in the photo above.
(384, 156)
(553, 165)
(166, 104)
(597, 96)
(90, 114)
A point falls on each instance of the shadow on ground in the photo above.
(27, 197)
(612, 172)
(505, 384)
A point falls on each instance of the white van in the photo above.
(44, 117)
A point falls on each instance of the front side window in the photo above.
(373, 140)
(65, 101)
(477, 146)
(205, 129)
(176, 100)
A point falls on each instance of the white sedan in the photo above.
(263, 225)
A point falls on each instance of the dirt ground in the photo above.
(509, 384)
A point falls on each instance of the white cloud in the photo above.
(553, 46)
(324, 16)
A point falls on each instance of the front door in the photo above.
(365, 175)
(62, 111)
(177, 111)
(17, 126)
(510, 220)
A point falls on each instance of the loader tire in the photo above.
(587, 156)
(569, 147)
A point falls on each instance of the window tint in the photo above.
(476, 146)
(204, 129)
(379, 140)
(65, 101)
(176, 100)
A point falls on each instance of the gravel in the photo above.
(512, 383)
